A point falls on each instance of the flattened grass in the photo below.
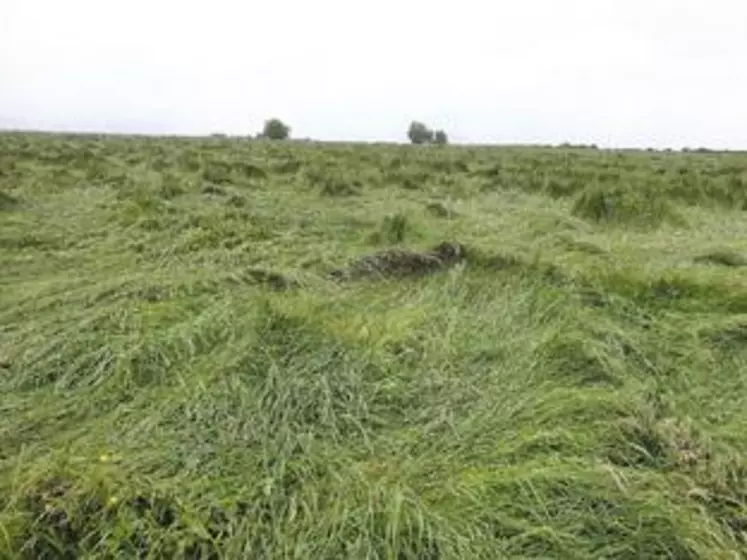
(572, 389)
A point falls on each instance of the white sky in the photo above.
(613, 72)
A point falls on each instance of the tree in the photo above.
(275, 129)
(418, 133)
(440, 138)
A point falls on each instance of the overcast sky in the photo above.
(613, 72)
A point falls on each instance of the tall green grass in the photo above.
(573, 389)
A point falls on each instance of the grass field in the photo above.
(184, 374)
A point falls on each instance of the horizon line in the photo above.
(249, 137)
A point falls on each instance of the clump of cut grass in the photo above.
(401, 263)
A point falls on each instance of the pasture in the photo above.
(223, 348)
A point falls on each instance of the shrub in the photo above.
(419, 133)
(275, 129)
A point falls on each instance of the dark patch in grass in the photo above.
(559, 188)
(218, 175)
(53, 533)
(250, 171)
(407, 352)
(66, 523)
(172, 185)
(8, 202)
(395, 263)
(591, 297)
(489, 172)
(161, 511)
(287, 167)
(336, 186)
(664, 443)
(449, 166)
(332, 182)
(640, 445)
(723, 492)
(61, 522)
(410, 184)
(440, 211)
(411, 178)
(274, 280)
(170, 191)
(213, 190)
(223, 172)
(237, 201)
(722, 258)
(139, 527)
(153, 293)
(460, 166)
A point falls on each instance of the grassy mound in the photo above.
(181, 377)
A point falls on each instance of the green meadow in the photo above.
(230, 348)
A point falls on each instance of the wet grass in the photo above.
(182, 376)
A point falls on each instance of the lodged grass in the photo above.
(181, 377)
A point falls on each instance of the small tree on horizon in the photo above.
(440, 138)
(275, 129)
(418, 133)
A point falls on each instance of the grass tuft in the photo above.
(628, 206)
